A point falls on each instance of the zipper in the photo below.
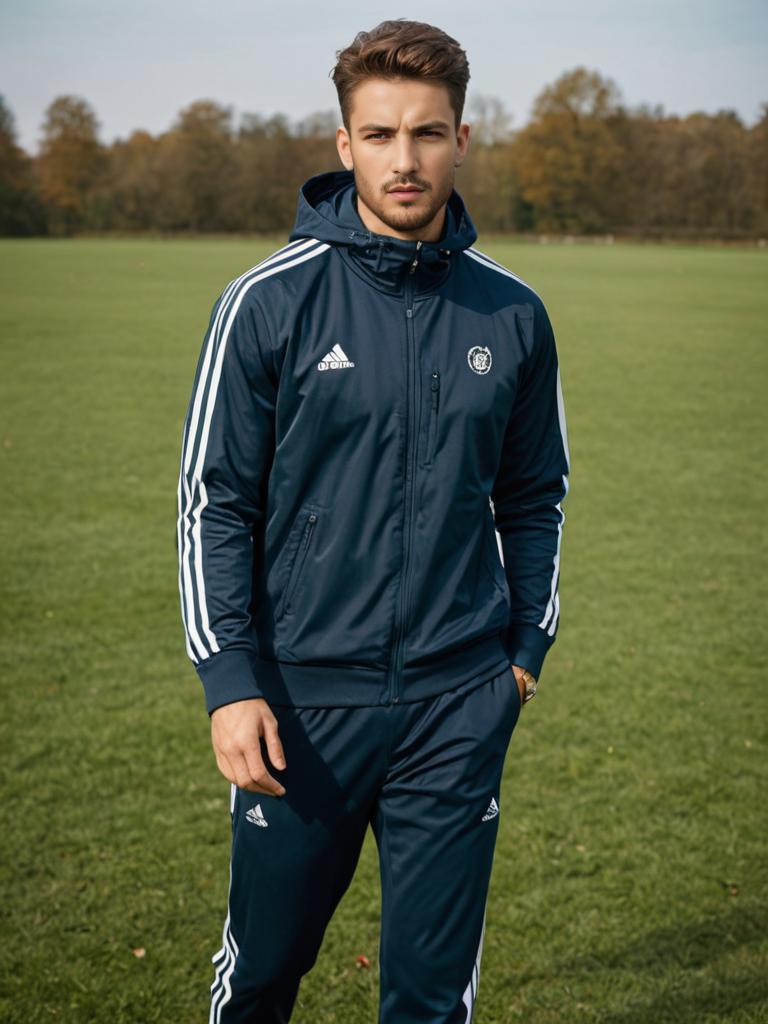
(298, 561)
(432, 432)
(408, 489)
(415, 260)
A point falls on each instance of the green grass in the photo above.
(629, 884)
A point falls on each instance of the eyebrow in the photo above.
(418, 128)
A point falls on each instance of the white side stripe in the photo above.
(221, 989)
(485, 260)
(180, 547)
(191, 488)
(470, 992)
(561, 419)
(553, 605)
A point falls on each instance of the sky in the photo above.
(138, 64)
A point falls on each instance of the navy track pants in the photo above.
(425, 775)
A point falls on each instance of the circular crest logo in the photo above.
(479, 358)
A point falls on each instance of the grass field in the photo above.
(630, 883)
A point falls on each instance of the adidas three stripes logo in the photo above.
(335, 360)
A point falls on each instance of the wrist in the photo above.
(528, 681)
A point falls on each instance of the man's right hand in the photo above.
(235, 733)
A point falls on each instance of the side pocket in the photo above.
(297, 564)
(513, 703)
(434, 409)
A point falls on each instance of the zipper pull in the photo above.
(415, 261)
(435, 387)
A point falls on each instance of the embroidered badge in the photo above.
(479, 358)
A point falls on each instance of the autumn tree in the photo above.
(487, 179)
(758, 163)
(71, 162)
(21, 210)
(195, 168)
(690, 175)
(273, 160)
(569, 159)
(134, 182)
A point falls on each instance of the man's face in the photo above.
(404, 149)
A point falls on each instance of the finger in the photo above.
(259, 774)
(274, 746)
(224, 767)
(241, 775)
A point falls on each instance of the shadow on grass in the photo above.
(699, 970)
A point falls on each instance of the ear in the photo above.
(344, 147)
(462, 143)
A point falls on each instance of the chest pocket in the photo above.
(434, 413)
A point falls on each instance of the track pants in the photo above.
(425, 776)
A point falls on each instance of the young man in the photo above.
(374, 405)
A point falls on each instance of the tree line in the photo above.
(584, 164)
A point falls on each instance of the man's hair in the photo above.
(402, 49)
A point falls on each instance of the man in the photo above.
(374, 404)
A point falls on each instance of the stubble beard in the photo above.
(405, 218)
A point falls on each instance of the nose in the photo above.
(404, 157)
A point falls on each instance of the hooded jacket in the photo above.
(374, 460)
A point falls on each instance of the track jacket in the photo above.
(369, 417)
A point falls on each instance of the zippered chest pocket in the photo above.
(297, 563)
(434, 411)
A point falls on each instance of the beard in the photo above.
(405, 216)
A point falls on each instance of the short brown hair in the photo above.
(402, 49)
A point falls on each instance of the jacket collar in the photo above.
(327, 210)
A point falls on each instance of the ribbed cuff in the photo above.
(527, 646)
(228, 676)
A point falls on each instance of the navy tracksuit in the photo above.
(426, 776)
(374, 460)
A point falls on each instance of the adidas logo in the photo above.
(493, 810)
(255, 816)
(335, 360)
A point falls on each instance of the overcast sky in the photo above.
(139, 63)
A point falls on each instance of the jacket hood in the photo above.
(327, 210)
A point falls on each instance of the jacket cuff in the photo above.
(526, 646)
(227, 676)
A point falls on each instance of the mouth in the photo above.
(405, 191)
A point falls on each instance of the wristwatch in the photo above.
(530, 685)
